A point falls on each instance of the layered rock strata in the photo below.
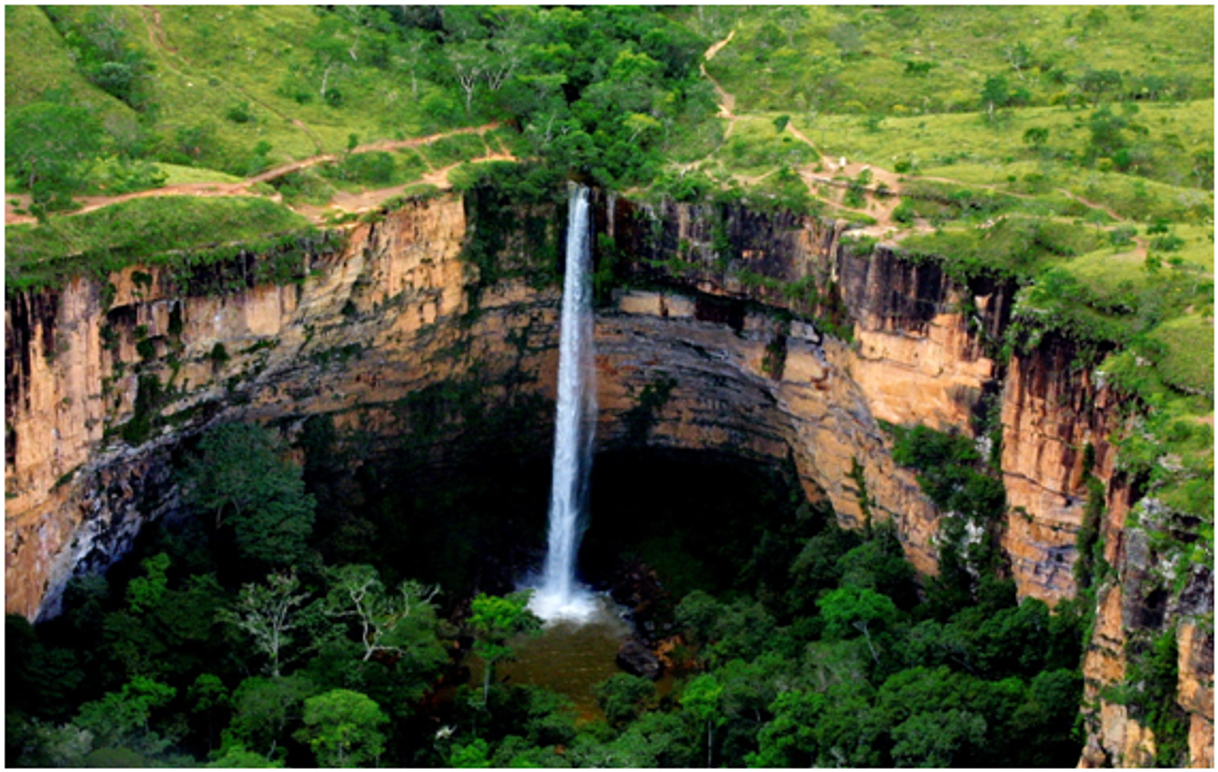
(390, 313)
(397, 309)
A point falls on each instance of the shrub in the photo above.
(240, 113)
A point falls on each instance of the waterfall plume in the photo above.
(558, 594)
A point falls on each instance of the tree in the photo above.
(331, 50)
(402, 623)
(504, 48)
(623, 696)
(262, 710)
(940, 738)
(1108, 138)
(343, 728)
(879, 564)
(412, 52)
(40, 744)
(495, 620)
(790, 18)
(468, 66)
(701, 699)
(995, 93)
(656, 739)
(269, 612)
(1019, 57)
(208, 695)
(47, 148)
(859, 608)
(237, 473)
(237, 756)
(847, 38)
(698, 616)
(145, 592)
(1099, 82)
(789, 740)
(122, 719)
(849, 732)
(1036, 136)
(472, 755)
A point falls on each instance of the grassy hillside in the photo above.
(150, 230)
(1068, 150)
(914, 60)
(37, 61)
(1069, 147)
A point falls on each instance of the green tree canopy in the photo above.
(343, 728)
(48, 147)
(496, 619)
(239, 475)
(623, 696)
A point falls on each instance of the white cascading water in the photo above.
(558, 595)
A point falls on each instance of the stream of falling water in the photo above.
(558, 595)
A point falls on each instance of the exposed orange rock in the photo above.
(1195, 690)
(921, 378)
(374, 322)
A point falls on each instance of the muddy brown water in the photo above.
(568, 658)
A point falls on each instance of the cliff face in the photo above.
(368, 326)
(390, 313)
(102, 387)
(916, 354)
(1051, 412)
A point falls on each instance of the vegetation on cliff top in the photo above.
(1068, 149)
(144, 230)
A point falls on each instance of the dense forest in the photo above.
(309, 602)
(260, 628)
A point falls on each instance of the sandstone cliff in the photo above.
(101, 389)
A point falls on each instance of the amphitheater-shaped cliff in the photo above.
(103, 382)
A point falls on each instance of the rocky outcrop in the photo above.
(1058, 425)
(1195, 690)
(1136, 614)
(1052, 410)
(99, 386)
(636, 659)
(104, 384)
(370, 324)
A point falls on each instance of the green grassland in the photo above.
(900, 60)
(231, 56)
(154, 230)
(176, 174)
(36, 61)
(1068, 147)
(225, 79)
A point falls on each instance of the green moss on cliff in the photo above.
(164, 231)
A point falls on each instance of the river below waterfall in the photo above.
(568, 657)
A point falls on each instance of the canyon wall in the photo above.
(103, 386)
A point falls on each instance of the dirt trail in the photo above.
(368, 200)
(156, 33)
(245, 187)
(383, 145)
(727, 102)
(1092, 204)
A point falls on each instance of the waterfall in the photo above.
(558, 595)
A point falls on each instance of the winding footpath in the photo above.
(885, 187)
(879, 207)
(727, 102)
(367, 199)
(341, 200)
